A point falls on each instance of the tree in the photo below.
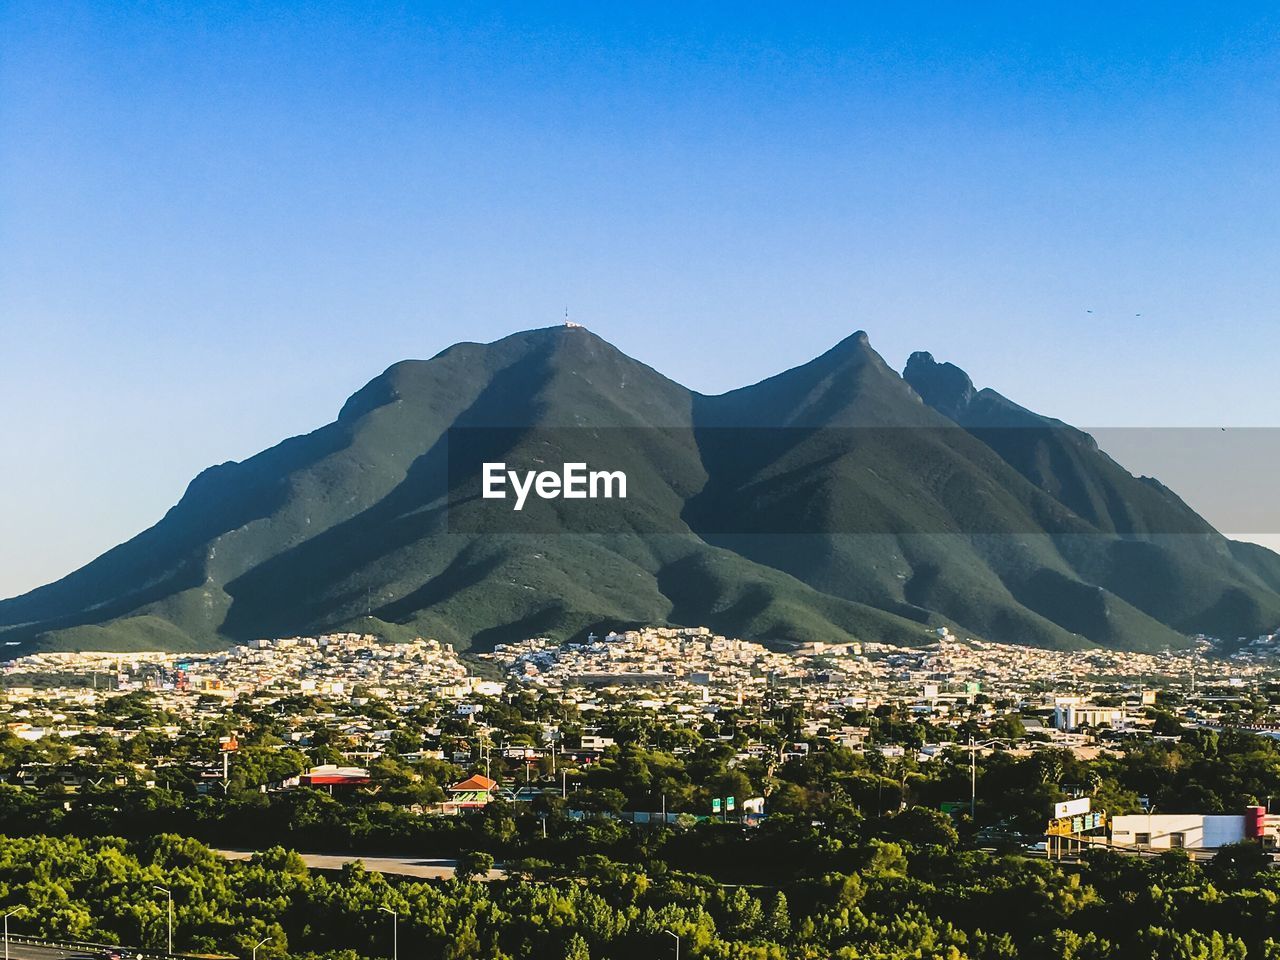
(921, 826)
(778, 918)
(1240, 863)
(474, 865)
(576, 949)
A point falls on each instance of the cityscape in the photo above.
(639, 482)
(952, 694)
(416, 764)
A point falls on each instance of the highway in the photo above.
(423, 869)
(41, 951)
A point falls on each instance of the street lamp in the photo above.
(973, 780)
(677, 939)
(168, 893)
(258, 944)
(973, 773)
(6, 932)
(395, 932)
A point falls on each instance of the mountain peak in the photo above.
(943, 386)
(855, 350)
(858, 340)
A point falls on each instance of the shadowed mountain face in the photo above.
(835, 500)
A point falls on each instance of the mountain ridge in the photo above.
(861, 503)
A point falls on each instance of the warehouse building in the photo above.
(1194, 831)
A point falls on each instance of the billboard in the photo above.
(1071, 808)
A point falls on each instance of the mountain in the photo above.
(835, 500)
(1164, 559)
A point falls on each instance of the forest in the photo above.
(887, 899)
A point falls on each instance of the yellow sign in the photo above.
(1070, 826)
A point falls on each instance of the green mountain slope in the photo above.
(835, 500)
(1164, 559)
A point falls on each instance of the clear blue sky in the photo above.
(218, 220)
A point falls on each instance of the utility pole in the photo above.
(395, 932)
(973, 771)
(168, 893)
(973, 780)
(258, 944)
(677, 939)
(6, 932)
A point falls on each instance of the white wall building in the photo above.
(1193, 831)
(1071, 713)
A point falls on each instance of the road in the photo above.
(40, 951)
(418, 867)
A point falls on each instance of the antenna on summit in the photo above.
(569, 323)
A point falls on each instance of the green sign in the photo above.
(715, 805)
(728, 804)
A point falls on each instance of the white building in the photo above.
(1072, 713)
(1192, 831)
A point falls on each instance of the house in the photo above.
(473, 792)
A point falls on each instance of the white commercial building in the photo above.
(1071, 713)
(1192, 831)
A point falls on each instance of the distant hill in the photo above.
(835, 500)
